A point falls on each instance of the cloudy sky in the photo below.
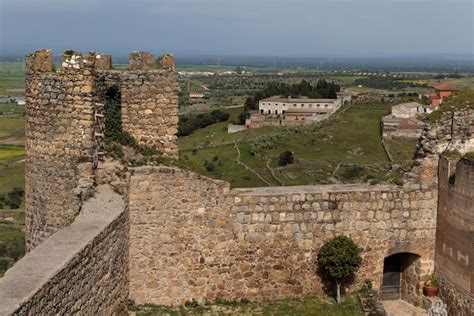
(300, 28)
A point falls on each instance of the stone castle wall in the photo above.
(60, 143)
(149, 105)
(451, 132)
(193, 237)
(455, 235)
(81, 269)
(65, 126)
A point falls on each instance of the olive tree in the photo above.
(339, 258)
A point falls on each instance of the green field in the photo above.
(12, 164)
(347, 150)
(12, 151)
(306, 306)
(12, 79)
(12, 238)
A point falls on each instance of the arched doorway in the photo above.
(401, 277)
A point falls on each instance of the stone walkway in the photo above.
(402, 308)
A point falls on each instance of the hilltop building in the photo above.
(298, 108)
(402, 122)
(441, 91)
(279, 111)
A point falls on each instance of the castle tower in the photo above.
(60, 140)
(65, 126)
(150, 101)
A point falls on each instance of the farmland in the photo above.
(346, 150)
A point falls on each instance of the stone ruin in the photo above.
(173, 235)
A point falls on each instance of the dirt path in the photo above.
(247, 167)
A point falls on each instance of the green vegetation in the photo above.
(345, 148)
(12, 239)
(386, 83)
(455, 102)
(401, 150)
(305, 306)
(285, 158)
(469, 156)
(12, 199)
(338, 259)
(10, 152)
(12, 129)
(12, 79)
(12, 166)
(114, 133)
(322, 89)
(190, 123)
(451, 154)
(11, 110)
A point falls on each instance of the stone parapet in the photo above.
(81, 269)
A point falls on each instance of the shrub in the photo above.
(338, 259)
(469, 156)
(242, 117)
(147, 150)
(210, 167)
(190, 123)
(286, 158)
(352, 172)
(12, 199)
(115, 148)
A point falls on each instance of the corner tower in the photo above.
(65, 124)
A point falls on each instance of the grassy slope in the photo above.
(353, 140)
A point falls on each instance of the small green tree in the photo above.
(339, 258)
(242, 117)
(286, 158)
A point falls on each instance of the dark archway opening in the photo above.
(401, 277)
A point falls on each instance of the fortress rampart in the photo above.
(175, 235)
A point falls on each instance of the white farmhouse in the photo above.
(298, 108)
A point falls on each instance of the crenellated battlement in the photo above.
(42, 61)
